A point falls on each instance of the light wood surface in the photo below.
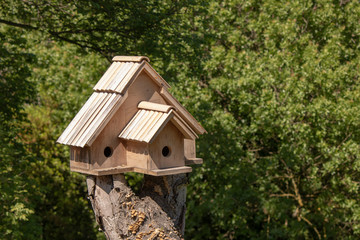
(189, 148)
(117, 170)
(79, 157)
(191, 161)
(172, 138)
(108, 137)
(183, 128)
(130, 59)
(154, 106)
(137, 154)
(104, 121)
(155, 76)
(182, 112)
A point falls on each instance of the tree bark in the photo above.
(157, 212)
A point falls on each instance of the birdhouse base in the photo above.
(117, 170)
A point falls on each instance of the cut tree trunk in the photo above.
(157, 212)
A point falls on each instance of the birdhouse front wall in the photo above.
(137, 154)
(167, 150)
(142, 89)
(107, 150)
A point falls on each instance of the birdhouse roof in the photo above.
(95, 113)
(121, 73)
(109, 93)
(150, 119)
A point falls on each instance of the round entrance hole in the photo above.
(108, 152)
(165, 151)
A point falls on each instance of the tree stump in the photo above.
(157, 212)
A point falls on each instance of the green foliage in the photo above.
(107, 27)
(64, 78)
(135, 181)
(16, 212)
(282, 100)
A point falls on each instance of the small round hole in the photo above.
(108, 152)
(165, 151)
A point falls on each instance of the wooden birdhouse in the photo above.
(131, 123)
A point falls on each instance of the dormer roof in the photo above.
(149, 120)
(109, 93)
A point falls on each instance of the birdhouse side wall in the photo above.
(189, 148)
(137, 154)
(167, 150)
(107, 150)
(79, 158)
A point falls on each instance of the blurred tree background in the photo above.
(275, 84)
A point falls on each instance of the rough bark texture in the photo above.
(158, 212)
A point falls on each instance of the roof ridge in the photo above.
(130, 59)
(154, 106)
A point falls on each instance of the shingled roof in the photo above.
(109, 94)
(149, 120)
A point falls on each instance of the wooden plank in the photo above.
(108, 137)
(113, 170)
(120, 76)
(155, 76)
(140, 124)
(142, 127)
(100, 116)
(163, 172)
(171, 138)
(70, 128)
(147, 127)
(130, 59)
(102, 123)
(182, 128)
(143, 88)
(156, 129)
(185, 124)
(154, 106)
(137, 154)
(116, 170)
(123, 88)
(88, 110)
(105, 171)
(107, 75)
(79, 165)
(83, 171)
(93, 113)
(189, 148)
(189, 119)
(105, 84)
(130, 126)
(130, 77)
(190, 161)
(80, 157)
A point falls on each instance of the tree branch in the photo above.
(56, 35)
(312, 225)
(283, 195)
(19, 25)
